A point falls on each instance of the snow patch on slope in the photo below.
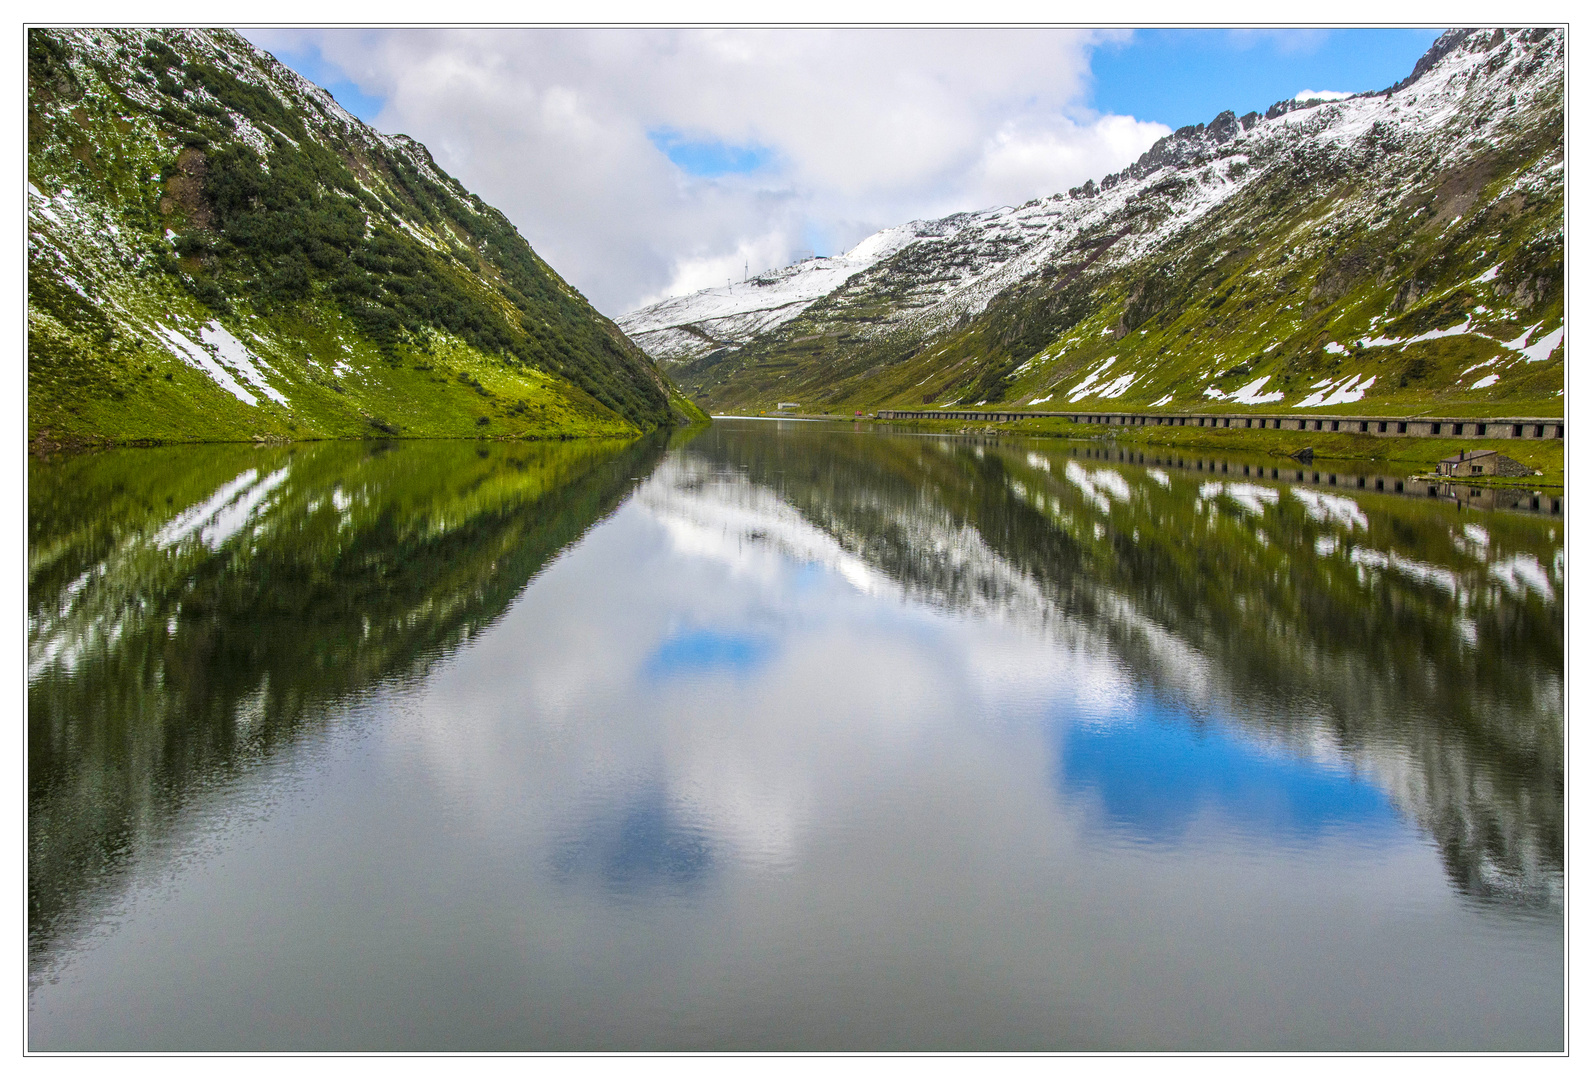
(196, 355)
(232, 352)
(1246, 395)
(1350, 389)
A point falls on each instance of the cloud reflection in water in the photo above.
(641, 847)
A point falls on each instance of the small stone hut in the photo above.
(1482, 463)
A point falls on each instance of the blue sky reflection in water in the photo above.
(812, 740)
(1152, 774)
(709, 650)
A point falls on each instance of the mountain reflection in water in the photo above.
(1407, 641)
(825, 739)
(191, 609)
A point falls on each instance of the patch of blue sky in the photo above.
(709, 158)
(1181, 77)
(1153, 775)
(698, 651)
(816, 238)
(308, 62)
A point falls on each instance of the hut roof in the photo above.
(1468, 455)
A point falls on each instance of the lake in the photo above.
(786, 736)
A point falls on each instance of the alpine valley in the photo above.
(218, 251)
(1400, 250)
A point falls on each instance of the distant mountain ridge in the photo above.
(218, 250)
(1401, 250)
(686, 327)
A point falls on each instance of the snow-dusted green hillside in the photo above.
(217, 250)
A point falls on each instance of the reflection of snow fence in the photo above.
(1307, 483)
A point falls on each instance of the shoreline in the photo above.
(1418, 455)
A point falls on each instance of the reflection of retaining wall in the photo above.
(1487, 498)
(1448, 427)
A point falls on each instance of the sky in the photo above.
(645, 163)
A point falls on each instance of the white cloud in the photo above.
(865, 128)
(1023, 161)
(750, 255)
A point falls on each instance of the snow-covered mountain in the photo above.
(685, 327)
(1386, 243)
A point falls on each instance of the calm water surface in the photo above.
(784, 737)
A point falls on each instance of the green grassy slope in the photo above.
(218, 251)
(1414, 238)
